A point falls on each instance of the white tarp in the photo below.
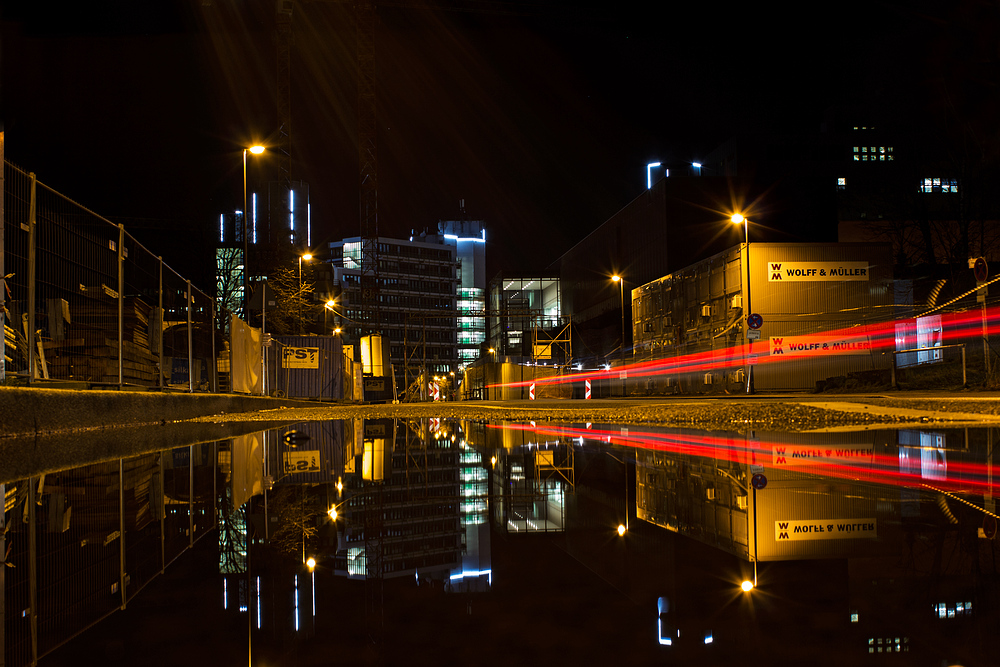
(245, 360)
(247, 468)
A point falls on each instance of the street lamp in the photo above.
(256, 150)
(327, 307)
(738, 219)
(621, 283)
(307, 256)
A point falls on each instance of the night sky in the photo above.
(541, 116)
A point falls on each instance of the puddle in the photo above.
(491, 542)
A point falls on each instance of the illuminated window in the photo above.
(949, 185)
(841, 183)
(854, 617)
(873, 154)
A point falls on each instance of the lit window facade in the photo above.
(873, 154)
(948, 185)
(417, 301)
(523, 311)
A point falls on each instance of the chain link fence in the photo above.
(84, 302)
(80, 544)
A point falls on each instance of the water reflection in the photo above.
(427, 541)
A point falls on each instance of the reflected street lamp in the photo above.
(256, 150)
(621, 284)
(738, 219)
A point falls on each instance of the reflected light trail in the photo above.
(962, 476)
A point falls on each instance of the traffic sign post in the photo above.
(982, 271)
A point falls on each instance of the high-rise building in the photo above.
(469, 239)
(416, 306)
(279, 218)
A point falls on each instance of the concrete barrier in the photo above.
(31, 411)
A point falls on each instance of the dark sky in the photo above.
(541, 116)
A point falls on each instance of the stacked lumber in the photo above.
(88, 350)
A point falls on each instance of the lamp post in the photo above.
(307, 256)
(256, 150)
(738, 219)
(621, 284)
(328, 306)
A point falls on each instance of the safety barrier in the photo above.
(85, 302)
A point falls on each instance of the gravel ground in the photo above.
(785, 413)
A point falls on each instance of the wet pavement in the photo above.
(500, 540)
(788, 412)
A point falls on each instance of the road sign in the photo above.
(586, 390)
(755, 320)
(753, 334)
(980, 269)
(758, 481)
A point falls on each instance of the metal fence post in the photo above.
(121, 530)
(3, 515)
(3, 350)
(121, 309)
(190, 496)
(159, 325)
(214, 370)
(162, 509)
(965, 382)
(33, 563)
(29, 315)
(894, 371)
(190, 341)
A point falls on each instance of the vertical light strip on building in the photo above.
(309, 209)
(314, 593)
(222, 227)
(225, 593)
(291, 210)
(255, 217)
(258, 603)
(296, 603)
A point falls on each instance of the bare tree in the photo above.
(298, 512)
(293, 299)
(229, 268)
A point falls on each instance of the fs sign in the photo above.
(300, 357)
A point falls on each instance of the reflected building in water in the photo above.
(865, 544)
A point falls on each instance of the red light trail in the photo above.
(875, 337)
(963, 476)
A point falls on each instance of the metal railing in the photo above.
(83, 301)
(80, 544)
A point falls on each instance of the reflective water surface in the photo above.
(435, 542)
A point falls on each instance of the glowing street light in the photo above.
(747, 586)
(739, 219)
(621, 529)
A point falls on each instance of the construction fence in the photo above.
(80, 544)
(84, 302)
